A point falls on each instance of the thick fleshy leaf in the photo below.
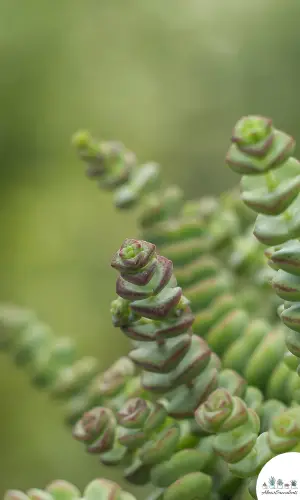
(181, 463)
(274, 230)
(249, 164)
(221, 412)
(145, 178)
(168, 232)
(13, 321)
(287, 286)
(268, 353)
(45, 367)
(161, 446)
(97, 429)
(183, 401)
(235, 445)
(71, 380)
(160, 205)
(62, 490)
(158, 306)
(291, 317)
(205, 318)
(15, 495)
(134, 413)
(37, 494)
(284, 434)
(257, 195)
(226, 331)
(184, 251)
(162, 359)
(159, 330)
(202, 293)
(198, 270)
(102, 489)
(240, 352)
(35, 338)
(191, 486)
(287, 257)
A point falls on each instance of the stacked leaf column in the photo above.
(270, 186)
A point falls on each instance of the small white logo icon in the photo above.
(280, 476)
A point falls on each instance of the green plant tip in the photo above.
(251, 130)
(81, 139)
(131, 251)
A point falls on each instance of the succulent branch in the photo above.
(52, 364)
(99, 489)
(175, 362)
(270, 186)
(187, 421)
(115, 168)
(237, 433)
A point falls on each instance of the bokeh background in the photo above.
(169, 79)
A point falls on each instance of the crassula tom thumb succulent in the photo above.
(209, 390)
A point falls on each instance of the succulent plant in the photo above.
(207, 394)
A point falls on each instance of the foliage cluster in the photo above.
(210, 390)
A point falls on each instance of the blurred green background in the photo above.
(169, 79)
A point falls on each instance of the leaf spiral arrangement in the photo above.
(152, 311)
(270, 186)
(99, 489)
(237, 439)
(175, 362)
(52, 364)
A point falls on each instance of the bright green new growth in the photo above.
(270, 187)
